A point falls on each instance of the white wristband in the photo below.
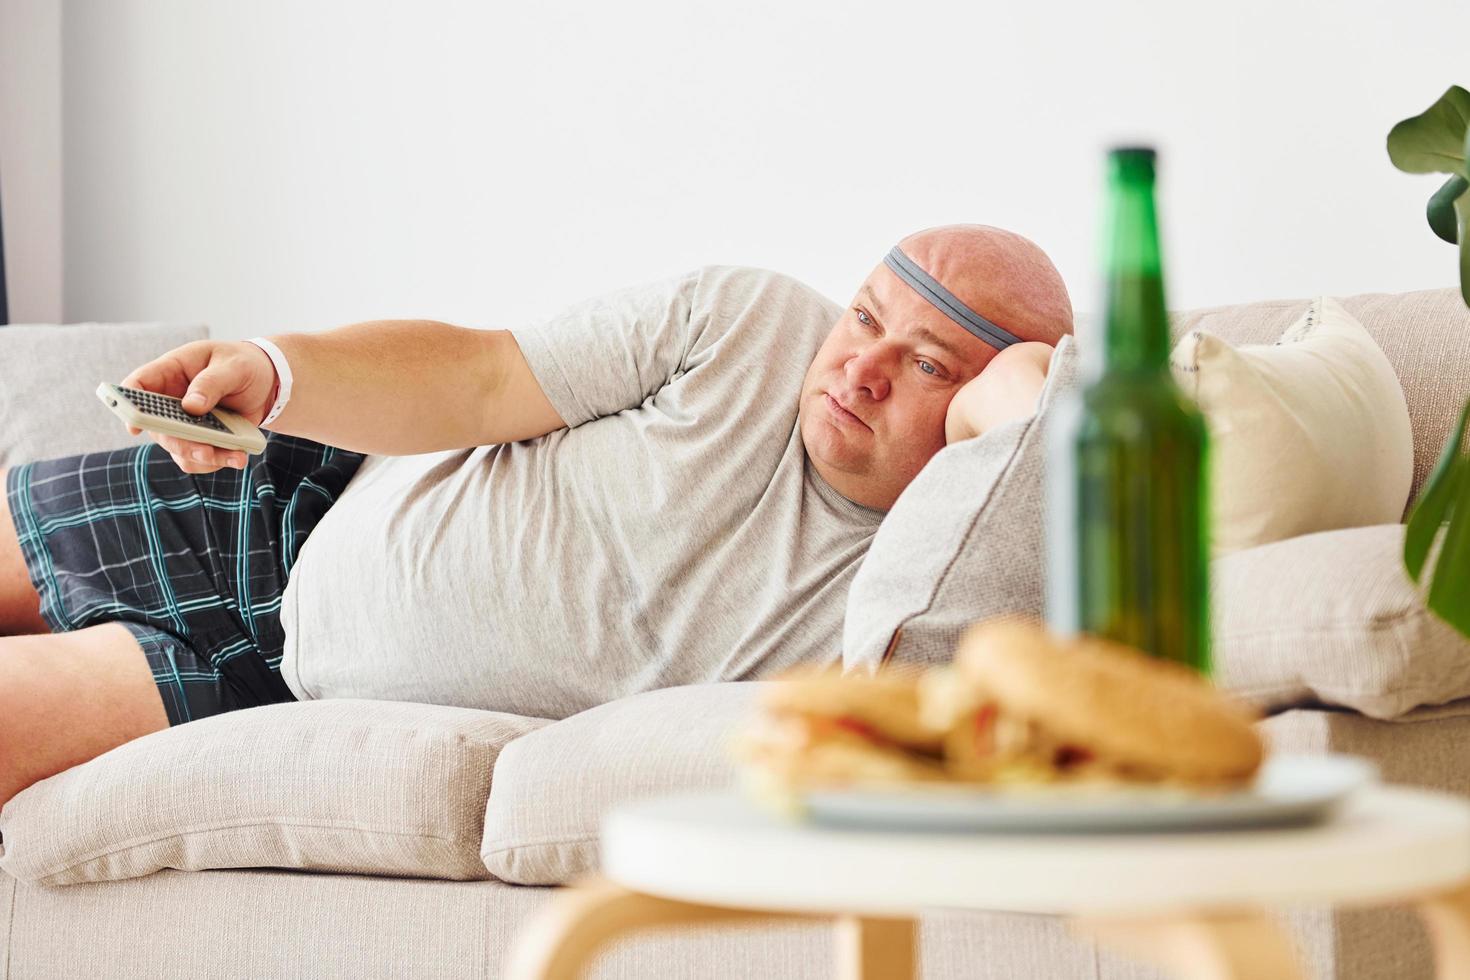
(283, 377)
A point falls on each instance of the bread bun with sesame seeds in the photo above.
(817, 728)
(1092, 707)
(887, 702)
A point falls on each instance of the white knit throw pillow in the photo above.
(1309, 434)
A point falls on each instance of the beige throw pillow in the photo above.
(367, 787)
(1310, 434)
(1333, 619)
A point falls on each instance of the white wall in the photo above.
(296, 164)
(30, 157)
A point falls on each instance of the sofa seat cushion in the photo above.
(370, 787)
(553, 786)
(1333, 619)
(48, 376)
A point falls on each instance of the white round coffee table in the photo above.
(1190, 902)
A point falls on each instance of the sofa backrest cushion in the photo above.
(1425, 335)
(553, 786)
(48, 376)
(364, 787)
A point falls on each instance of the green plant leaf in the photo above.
(1449, 590)
(1441, 209)
(1462, 211)
(1433, 141)
(1435, 499)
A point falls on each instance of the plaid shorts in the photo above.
(192, 564)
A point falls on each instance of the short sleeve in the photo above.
(610, 353)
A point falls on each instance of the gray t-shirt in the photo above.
(675, 533)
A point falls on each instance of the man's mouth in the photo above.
(843, 415)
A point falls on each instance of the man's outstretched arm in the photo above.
(390, 387)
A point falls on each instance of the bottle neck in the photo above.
(1136, 335)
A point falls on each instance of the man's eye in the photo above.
(929, 369)
(863, 318)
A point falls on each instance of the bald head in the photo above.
(999, 274)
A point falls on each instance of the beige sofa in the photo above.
(525, 794)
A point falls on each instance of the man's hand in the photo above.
(1006, 389)
(206, 374)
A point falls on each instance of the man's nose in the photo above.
(868, 370)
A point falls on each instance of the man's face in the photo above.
(874, 399)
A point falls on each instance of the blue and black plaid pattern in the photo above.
(192, 564)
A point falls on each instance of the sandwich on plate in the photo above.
(1017, 708)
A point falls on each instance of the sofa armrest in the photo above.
(48, 374)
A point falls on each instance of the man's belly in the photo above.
(417, 586)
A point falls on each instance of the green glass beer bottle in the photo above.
(1127, 533)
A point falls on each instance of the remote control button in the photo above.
(169, 408)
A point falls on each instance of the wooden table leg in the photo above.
(1447, 916)
(562, 939)
(876, 949)
(1202, 945)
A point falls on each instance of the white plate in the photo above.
(1288, 790)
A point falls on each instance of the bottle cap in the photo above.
(1132, 161)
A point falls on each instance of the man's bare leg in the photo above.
(19, 604)
(68, 697)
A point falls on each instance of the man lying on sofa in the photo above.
(668, 485)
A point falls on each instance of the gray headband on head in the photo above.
(948, 303)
